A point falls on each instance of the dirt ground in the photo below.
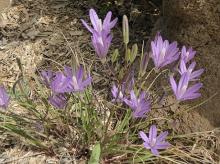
(42, 33)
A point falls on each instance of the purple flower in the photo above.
(47, 77)
(97, 24)
(101, 37)
(61, 83)
(101, 43)
(58, 100)
(163, 53)
(118, 94)
(140, 106)
(193, 74)
(154, 142)
(187, 55)
(77, 83)
(69, 81)
(4, 98)
(181, 91)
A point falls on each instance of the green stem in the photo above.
(126, 53)
(142, 84)
(107, 123)
(156, 79)
(191, 108)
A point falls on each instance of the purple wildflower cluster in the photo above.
(162, 53)
(139, 105)
(65, 82)
(182, 90)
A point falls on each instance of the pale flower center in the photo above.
(163, 52)
(190, 70)
(120, 95)
(187, 55)
(153, 142)
(183, 90)
(99, 25)
(100, 40)
(1, 100)
(75, 83)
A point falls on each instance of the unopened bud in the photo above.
(125, 27)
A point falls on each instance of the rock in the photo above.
(5, 4)
(197, 24)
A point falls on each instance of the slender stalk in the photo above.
(107, 124)
(148, 75)
(126, 53)
(164, 106)
(196, 106)
(203, 102)
(152, 83)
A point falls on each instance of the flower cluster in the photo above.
(182, 90)
(163, 54)
(101, 32)
(64, 82)
(139, 105)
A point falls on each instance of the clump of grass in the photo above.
(61, 110)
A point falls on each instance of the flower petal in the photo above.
(173, 84)
(190, 91)
(155, 151)
(87, 26)
(133, 97)
(192, 96)
(79, 76)
(183, 68)
(129, 103)
(152, 133)
(114, 91)
(182, 86)
(4, 97)
(163, 145)
(58, 101)
(196, 74)
(144, 136)
(146, 145)
(162, 136)
(87, 81)
(94, 18)
(107, 19)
